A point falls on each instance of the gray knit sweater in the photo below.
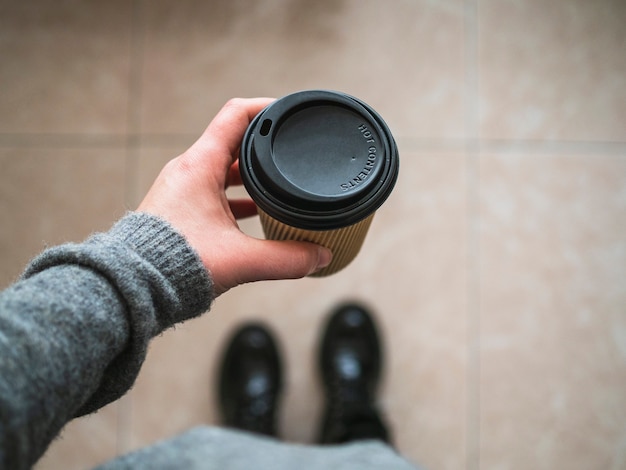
(74, 331)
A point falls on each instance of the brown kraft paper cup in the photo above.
(318, 164)
(345, 243)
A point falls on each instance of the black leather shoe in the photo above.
(350, 365)
(251, 381)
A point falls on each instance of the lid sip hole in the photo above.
(265, 127)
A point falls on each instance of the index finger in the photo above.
(227, 128)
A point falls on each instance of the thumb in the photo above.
(270, 259)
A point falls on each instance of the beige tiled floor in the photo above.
(497, 268)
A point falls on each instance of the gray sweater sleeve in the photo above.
(75, 328)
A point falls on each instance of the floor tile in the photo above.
(553, 71)
(65, 66)
(411, 273)
(404, 58)
(552, 328)
(52, 196)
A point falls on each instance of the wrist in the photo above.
(158, 242)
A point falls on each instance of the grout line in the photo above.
(552, 147)
(133, 138)
(167, 140)
(109, 141)
(133, 114)
(124, 413)
(473, 308)
(106, 141)
(430, 145)
(136, 139)
(131, 183)
(472, 152)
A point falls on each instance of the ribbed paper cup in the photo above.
(318, 164)
(345, 243)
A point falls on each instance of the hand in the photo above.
(190, 194)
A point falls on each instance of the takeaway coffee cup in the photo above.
(318, 164)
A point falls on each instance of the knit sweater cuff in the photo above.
(158, 243)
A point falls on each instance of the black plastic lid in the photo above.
(318, 160)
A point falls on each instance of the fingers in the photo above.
(231, 122)
(251, 259)
(242, 208)
(267, 260)
(234, 177)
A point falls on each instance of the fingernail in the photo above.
(324, 258)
